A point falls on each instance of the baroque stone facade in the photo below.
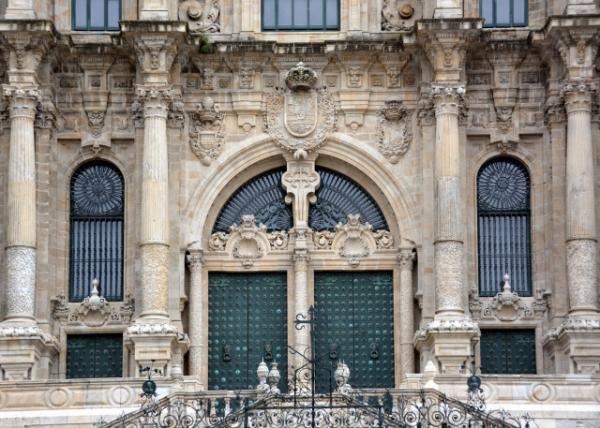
(190, 99)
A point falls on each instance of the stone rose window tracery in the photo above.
(504, 226)
(96, 235)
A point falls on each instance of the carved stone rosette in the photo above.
(300, 118)
(202, 16)
(393, 131)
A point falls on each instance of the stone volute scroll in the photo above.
(202, 16)
(393, 131)
(299, 118)
(207, 131)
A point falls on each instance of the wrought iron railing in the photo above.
(361, 409)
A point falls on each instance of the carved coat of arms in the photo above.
(300, 117)
(207, 133)
(393, 131)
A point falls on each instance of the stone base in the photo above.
(26, 353)
(575, 346)
(581, 7)
(158, 346)
(448, 343)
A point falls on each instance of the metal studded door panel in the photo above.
(508, 351)
(354, 312)
(247, 312)
(94, 355)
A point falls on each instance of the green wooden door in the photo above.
(354, 312)
(508, 351)
(247, 322)
(94, 355)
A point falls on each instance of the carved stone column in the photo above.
(406, 308)
(197, 328)
(448, 339)
(21, 213)
(154, 338)
(301, 181)
(25, 350)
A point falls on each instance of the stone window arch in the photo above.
(97, 196)
(504, 226)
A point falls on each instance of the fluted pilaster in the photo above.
(407, 328)
(197, 330)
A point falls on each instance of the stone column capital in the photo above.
(406, 259)
(300, 258)
(23, 101)
(195, 260)
(578, 95)
(448, 99)
(153, 101)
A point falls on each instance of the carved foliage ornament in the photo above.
(207, 131)
(300, 118)
(202, 16)
(393, 131)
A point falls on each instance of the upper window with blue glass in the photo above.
(300, 15)
(504, 13)
(96, 15)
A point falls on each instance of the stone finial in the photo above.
(430, 372)
(341, 375)
(301, 77)
(273, 379)
(262, 372)
(506, 287)
(94, 302)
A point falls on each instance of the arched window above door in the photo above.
(264, 197)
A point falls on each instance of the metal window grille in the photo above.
(300, 15)
(504, 226)
(95, 15)
(504, 13)
(264, 197)
(96, 235)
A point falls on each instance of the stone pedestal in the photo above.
(25, 353)
(20, 9)
(448, 9)
(154, 10)
(581, 7)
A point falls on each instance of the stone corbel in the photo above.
(95, 99)
(577, 49)
(155, 55)
(24, 51)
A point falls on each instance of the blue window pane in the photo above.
(503, 12)
(300, 13)
(520, 12)
(284, 14)
(80, 13)
(316, 13)
(97, 13)
(332, 17)
(269, 14)
(114, 13)
(487, 12)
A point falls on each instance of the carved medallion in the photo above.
(300, 113)
(299, 118)
(207, 133)
(393, 131)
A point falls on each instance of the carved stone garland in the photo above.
(393, 131)
(300, 118)
(207, 131)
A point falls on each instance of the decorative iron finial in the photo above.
(301, 77)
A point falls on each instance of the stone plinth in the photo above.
(25, 353)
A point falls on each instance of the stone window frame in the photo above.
(88, 26)
(511, 24)
(298, 28)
